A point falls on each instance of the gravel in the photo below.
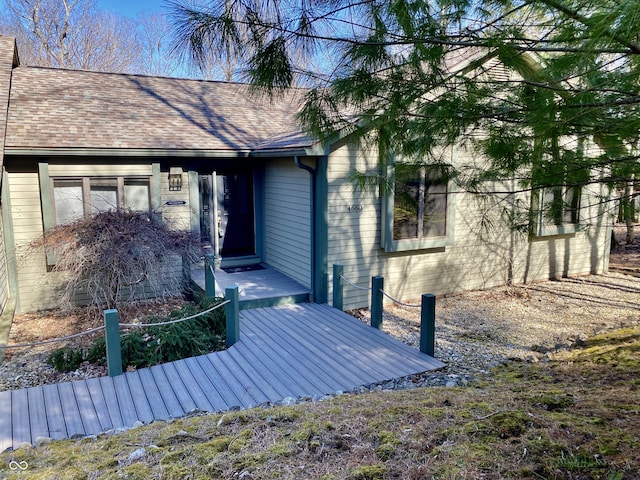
(475, 331)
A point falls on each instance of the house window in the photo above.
(78, 197)
(557, 210)
(418, 212)
(67, 199)
(419, 204)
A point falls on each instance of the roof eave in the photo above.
(158, 152)
(124, 152)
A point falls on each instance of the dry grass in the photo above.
(577, 417)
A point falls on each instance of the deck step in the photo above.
(264, 287)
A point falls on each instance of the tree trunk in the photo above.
(629, 210)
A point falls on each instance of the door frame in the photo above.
(214, 212)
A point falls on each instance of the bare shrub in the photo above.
(118, 256)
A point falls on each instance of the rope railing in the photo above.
(113, 327)
(209, 275)
(410, 305)
(427, 314)
(353, 284)
(169, 322)
(395, 300)
(52, 340)
(121, 325)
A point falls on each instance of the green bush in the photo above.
(66, 359)
(97, 352)
(149, 346)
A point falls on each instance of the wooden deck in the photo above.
(265, 287)
(303, 350)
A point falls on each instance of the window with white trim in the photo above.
(74, 198)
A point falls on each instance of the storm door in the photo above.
(226, 213)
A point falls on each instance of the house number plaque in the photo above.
(355, 208)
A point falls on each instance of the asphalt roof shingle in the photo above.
(71, 109)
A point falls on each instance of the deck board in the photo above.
(169, 398)
(214, 378)
(156, 403)
(70, 410)
(330, 346)
(281, 349)
(258, 376)
(395, 358)
(139, 397)
(111, 401)
(53, 409)
(88, 413)
(249, 395)
(6, 437)
(187, 403)
(20, 417)
(256, 288)
(125, 400)
(98, 399)
(257, 284)
(311, 347)
(200, 399)
(282, 381)
(210, 389)
(228, 378)
(303, 350)
(37, 415)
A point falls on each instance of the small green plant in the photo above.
(66, 359)
(582, 461)
(145, 347)
(137, 350)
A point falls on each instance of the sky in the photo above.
(131, 8)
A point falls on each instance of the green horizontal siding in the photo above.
(287, 212)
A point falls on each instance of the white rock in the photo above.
(40, 441)
(137, 454)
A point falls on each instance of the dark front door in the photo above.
(226, 213)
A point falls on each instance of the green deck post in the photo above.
(112, 338)
(209, 277)
(338, 285)
(233, 315)
(377, 285)
(428, 324)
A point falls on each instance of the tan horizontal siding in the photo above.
(479, 258)
(176, 216)
(4, 276)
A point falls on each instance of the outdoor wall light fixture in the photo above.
(175, 179)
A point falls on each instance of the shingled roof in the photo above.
(70, 109)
